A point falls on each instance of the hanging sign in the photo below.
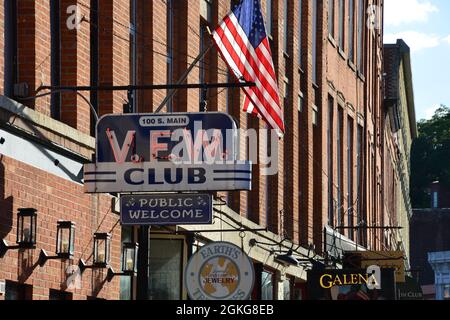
(384, 259)
(167, 152)
(372, 283)
(166, 209)
(219, 271)
(409, 290)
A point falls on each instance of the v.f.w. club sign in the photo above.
(167, 152)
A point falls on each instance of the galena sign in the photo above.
(167, 152)
(166, 209)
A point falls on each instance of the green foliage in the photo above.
(430, 156)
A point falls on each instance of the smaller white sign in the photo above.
(219, 271)
(165, 120)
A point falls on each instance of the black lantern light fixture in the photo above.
(102, 252)
(129, 261)
(65, 236)
(26, 231)
(287, 259)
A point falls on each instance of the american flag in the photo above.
(242, 41)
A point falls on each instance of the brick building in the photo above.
(399, 132)
(329, 61)
(429, 235)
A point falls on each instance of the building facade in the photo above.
(328, 57)
(400, 129)
(428, 234)
(440, 262)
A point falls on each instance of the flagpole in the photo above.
(183, 77)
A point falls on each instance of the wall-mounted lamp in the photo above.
(65, 236)
(287, 259)
(102, 252)
(26, 231)
(312, 248)
(129, 261)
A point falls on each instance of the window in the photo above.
(170, 44)
(359, 175)
(206, 10)
(204, 38)
(228, 106)
(350, 175)
(446, 294)
(330, 160)
(269, 18)
(314, 41)
(315, 115)
(300, 102)
(10, 49)
(287, 289)
(341, 24)
(18, 291)
(266, 186)
(59, 295)
(94, 59)
(331, 17)
(435, 200)
(133, 54)
(300, 33)
(285, 25)
(165, 267)
(359, 49)
(351, 33)
(55, 33)
(339, 165)
(286, 89)
(126, 282)
(267, 285)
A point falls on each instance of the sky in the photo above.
(425, 26)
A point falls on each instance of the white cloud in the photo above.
(415, 40)
(399, 12)
(447, 39)
(428, 113)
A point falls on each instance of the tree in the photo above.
(430, 156)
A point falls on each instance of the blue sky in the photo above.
(425, 26)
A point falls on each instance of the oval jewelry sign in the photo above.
(219, 271)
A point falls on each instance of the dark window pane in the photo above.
(266, 285)
(165, 264)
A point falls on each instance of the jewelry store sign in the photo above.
(219, 271)
(166, 209)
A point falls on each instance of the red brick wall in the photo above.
(152, 37)
(23, 186)
(26, 51)
(306, 133)
(2, 46)
(74, 70)
(362, 100)
(298, 199)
